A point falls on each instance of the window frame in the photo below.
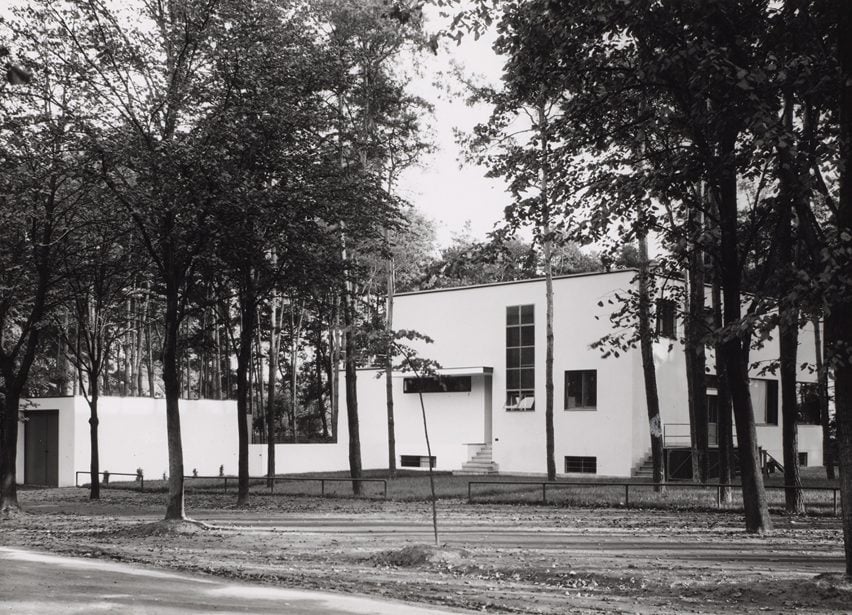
(587, 464)
(584, 375)
(520, 358)
(666, 311)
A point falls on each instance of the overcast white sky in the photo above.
(449, 194)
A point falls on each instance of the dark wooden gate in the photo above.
(41, 448)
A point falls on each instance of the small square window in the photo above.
(581, 389)
(803, 460)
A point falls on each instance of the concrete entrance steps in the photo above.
(480, 464)
(644, 469)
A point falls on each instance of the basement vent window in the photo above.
(581, 465)
(803, 460)
(439, 384)
(416, 461)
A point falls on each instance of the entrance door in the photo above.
(41, 448)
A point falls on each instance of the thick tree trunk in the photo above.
(723, 408)
(94, 464)
(789, 342)
(8, 451)
(696, 361)
(839, 314)
(352, 395)
(789, 192)
(649, 372)
(731, 352)
(171, 384)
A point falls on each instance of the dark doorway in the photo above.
(41, 448)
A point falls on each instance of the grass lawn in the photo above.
(413, 485)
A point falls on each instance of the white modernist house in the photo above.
(485, 413)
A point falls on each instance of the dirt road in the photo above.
(495, 558)
(34, 583)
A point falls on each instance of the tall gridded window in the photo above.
(520, 357)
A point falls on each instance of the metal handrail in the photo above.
(545, 484)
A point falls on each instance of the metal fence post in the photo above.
(626, 494)
(718, 496)
(834, 492)
(469, 498)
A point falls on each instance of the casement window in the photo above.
(581, 389)
(808, 398)
(581, 465)
(520, 357)
(666, 318)
(764, 400)
(417, 461)
(438, 384)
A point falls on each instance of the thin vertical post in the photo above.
(626, 495)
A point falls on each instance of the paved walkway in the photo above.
(37, 583)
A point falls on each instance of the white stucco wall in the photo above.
(469, 329)
(132, 434)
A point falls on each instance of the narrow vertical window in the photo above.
(666, 319)
(520, 357)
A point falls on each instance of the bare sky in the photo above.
(439, 187)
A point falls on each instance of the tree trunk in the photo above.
(788, 340)
(127, 379)
(171, 384)
(548, 281)
(649, 372)
(389, 366)
(244, 366)
(334, 364)
(731, 350)
(320, 361)
(274, 339)
(822, 391)
(149, 349)
(696, 361)
(352, 394)
(723, 408)
(94, 465)
(8, 452)
(839, 315)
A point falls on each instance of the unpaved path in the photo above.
(499, 558)
(34, 583)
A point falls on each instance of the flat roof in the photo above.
(508, 282)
